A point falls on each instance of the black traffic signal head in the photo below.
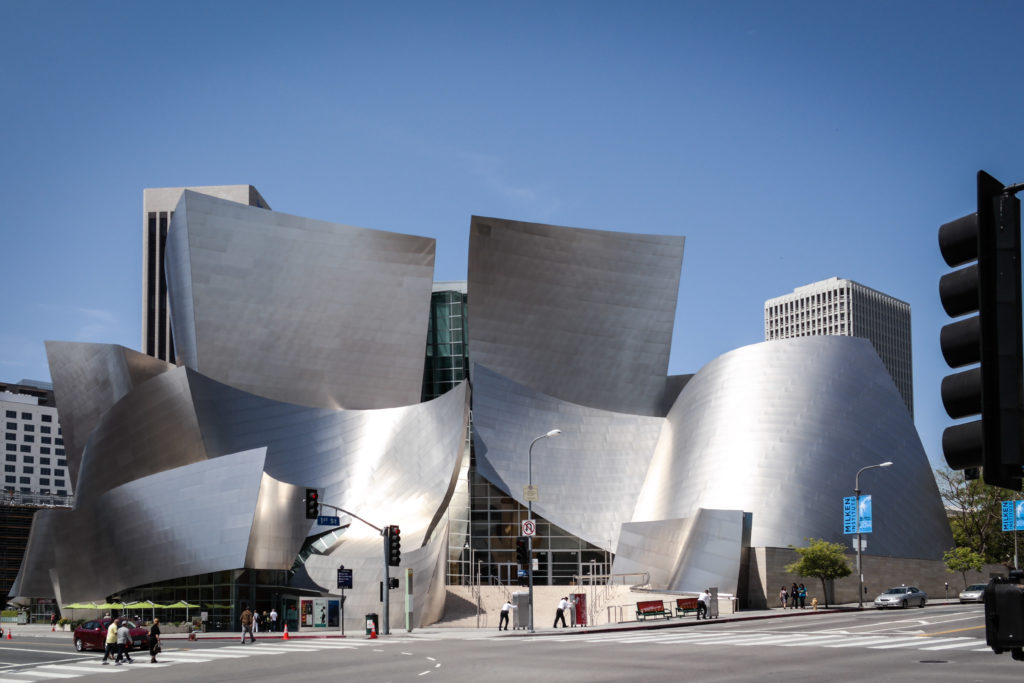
(989, 241)
(394, 545)
(312, 504)
(522, 552)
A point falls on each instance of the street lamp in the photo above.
(529, 515)
(856, 498)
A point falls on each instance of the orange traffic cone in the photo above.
(285, 636)
(373, 631)
(8, 634)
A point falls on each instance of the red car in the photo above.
(92, 635)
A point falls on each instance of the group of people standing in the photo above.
(795, 596)
(119, 637)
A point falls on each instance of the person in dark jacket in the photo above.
(154, 641)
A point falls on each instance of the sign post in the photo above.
(344, 581)
(1013, 520)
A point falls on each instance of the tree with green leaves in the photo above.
(963, 560)
(975, 515)
(822, 559)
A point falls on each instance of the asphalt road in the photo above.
(938, 643)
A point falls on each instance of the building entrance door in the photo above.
(508, 574)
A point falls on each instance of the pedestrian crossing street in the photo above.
(172, 657)
(776, 639)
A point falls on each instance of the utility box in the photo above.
(372, 623)
(1004, 615)
(520, 610)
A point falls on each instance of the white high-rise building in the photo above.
(35, 464)
(847, 308)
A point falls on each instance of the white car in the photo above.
(901, 596)
(973, 593)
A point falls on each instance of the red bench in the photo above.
(651, 608)
(684, 605)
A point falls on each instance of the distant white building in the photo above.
(846, 308)
(35, 464)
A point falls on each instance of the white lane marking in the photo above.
(964, 642)
(911, 642)
(811, 640)
(431, 659)
(861, 641)
(47, 674)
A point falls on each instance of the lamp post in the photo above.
(856, 498)
(529, 515)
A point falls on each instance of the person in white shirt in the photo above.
(703, 604)
(273, 620)
(505, 609)
(563, 604)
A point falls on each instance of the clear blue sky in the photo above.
(789, 141)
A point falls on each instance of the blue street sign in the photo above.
(850, 512)
(1013, 515)
(344, 578)
(328, 520)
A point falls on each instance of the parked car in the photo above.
(901, 596)
(973, 593)
(92, 635)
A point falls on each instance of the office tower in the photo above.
(157, 209)
(35, 464)
(843, 307)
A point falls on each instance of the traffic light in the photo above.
(991, 287)
(312, 504)
(394, 546)
(522, 554)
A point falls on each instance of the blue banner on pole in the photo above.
(849, 515)
(1013, 515)
(865, 514)
(852, 508)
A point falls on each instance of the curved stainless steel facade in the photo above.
(779, 429)
(295, 309)
(87, 380)
(585, 316)
(588, 477)
(181, 436)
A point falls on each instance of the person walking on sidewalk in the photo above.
(803, 596)
(505, 609)
(247, 625)
(273, 619)
(783, 596)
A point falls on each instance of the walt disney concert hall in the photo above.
(301, 364)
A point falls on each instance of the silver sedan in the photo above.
(901, 596)
(973, 593)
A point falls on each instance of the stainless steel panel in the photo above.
(588, 477)
(87, 380)
(779, 429)
(584, 316)
(298, 310)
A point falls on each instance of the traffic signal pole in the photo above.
(385, 622)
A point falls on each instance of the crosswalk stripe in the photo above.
(911, 642)
(810, 640)
(50, 674)
(964, 642)
(861, 641)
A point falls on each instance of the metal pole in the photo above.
(860, 574)
(529, 515)
(856, 498)
(385, 622)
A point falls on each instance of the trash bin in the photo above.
(372, 624)
(520, 610)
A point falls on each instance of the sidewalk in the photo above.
(434, 632)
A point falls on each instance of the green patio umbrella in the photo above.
(80, 605)
(181, 604)
(145, 604)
